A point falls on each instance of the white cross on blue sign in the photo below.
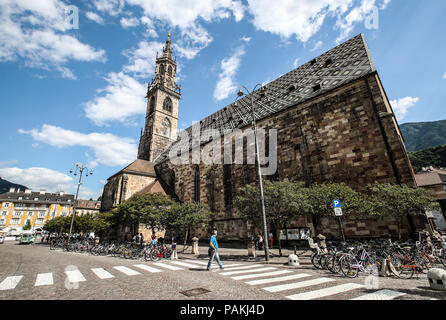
(336, 203)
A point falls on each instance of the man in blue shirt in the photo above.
(214, 246)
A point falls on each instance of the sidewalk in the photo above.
(239, 254)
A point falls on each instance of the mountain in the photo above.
(424, 135)
(5, 185)
(435, 157)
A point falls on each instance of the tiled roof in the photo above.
(29, 197)
(88, 204)
(345, 63)
(139, 166)
(428, 179)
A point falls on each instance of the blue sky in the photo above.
(77, 95)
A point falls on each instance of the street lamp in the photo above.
(81, 169)
(259, 172)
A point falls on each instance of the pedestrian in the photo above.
(154, 239)
(260, 241)
(213, 251)
(271, 239)
(174, 247)
(141, 239)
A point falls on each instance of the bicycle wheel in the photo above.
(315, 257)
(348, 264)
(168, 253)
(147, 255)
(330, 263)
(52, 245)
(154, 254)
(399, 268)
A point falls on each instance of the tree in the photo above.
(147, 208)
(401, 201)
(27, 225)
(182, 217)
(322, 196)
(284, 200)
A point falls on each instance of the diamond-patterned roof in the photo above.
(345, 63)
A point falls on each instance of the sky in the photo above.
(74, 74)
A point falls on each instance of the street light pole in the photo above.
(259, 172)
(81, 169)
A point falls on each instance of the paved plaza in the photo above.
(35, 272)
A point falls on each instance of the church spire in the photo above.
(167, 50)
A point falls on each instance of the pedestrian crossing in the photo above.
(307, 286)
(290, 284)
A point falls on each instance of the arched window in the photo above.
(197, 184)
(166, 127)
(169, 70)
(162, 69)
(152, 105)
(167, 105)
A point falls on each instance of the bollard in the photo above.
(251, 248)
(195, 245)
(174, 255)
(437, 279)
(293, 260)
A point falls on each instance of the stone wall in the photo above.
(121, 187)
(346, 135)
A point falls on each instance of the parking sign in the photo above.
(336, 203)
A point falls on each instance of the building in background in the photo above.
(17, 207)
(84, 207)
(435, 180)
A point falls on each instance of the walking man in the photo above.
(271, 239)
(213, 251)
(174, 247)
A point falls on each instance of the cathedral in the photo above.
(334, 123)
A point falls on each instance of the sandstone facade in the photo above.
(347, 135)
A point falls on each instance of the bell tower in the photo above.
(163, 96)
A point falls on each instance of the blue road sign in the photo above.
(336, 203)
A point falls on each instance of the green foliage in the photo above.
(27, 226)
(185, 216)
(283, 201)
(400, 201)
(85, 224)
(430, 157)
(423, 135)
(147, 208)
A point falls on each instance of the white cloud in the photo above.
(94, 17)
(402, 106)
(141, 59)
(318, 45)
(357, 15)
(35, 32)
(109, 149)
(246, 39)
(384, 4)
(229, 66)
(296, 63)
(111, 7)
(129, 22)
(444, 77)
(39, 178)
(123, 98)
(304, 18)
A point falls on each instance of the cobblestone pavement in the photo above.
(35, 272)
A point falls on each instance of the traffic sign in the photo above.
(338, 212)
(336, 203)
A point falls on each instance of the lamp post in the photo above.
(81, 169)
(259, 172)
